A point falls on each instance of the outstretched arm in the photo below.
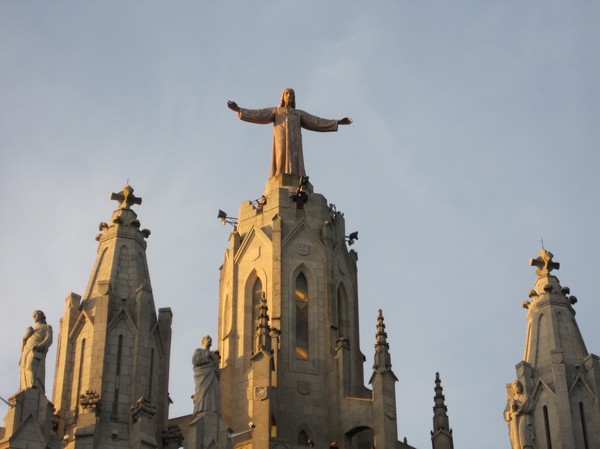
(233, 106)
(345, 121)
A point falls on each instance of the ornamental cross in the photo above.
(126, 198)
(544, 263)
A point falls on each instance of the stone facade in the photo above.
(553, 403)
(293, 366)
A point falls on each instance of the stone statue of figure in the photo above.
(518, 415)
(287, 123)
(35, 346)
(206, 376)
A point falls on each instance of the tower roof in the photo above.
(121, 258)
(552, 318)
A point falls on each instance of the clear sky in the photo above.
(476, 133)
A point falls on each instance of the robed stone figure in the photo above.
(518, 416)
(206, 376)
(35, 346)
(287, 123)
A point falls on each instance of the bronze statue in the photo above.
(35, 346)
(287, 123)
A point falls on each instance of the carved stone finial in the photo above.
(142, 408)
(381, 335)
(126, 198)
(544, 263)
(439, 408)
(263, 328)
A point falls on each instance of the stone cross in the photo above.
(126, 198)
(544, 263)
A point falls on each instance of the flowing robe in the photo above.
(517, 414)
(206, 376)
(33, 361)
(287, 138)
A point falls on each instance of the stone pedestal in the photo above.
(28, 422)
(207, 431)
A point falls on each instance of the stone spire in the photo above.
(383, 362)
(441, 435)
(551, 317)
(121, 257)
(552, 402)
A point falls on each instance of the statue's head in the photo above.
(288, 98)
(517, 387)
(39, 316)
(206, 342)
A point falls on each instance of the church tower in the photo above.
(553, 403)
(288, 329)
(112, 365)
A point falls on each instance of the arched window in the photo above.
(301, 299)
(115, 405)
(343, 320)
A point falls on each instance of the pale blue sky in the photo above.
(475, 134)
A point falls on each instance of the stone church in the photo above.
(288, 367)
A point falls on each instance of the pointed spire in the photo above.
(383, 361)
(263, 329)
(381, 335)
(121, 261)
(441, 435)
(440, 418)
(557, 336)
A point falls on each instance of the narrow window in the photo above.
(547, 428)
(79, 376)
(586, 444)
(301, 298)
(150, 375)
(343, 322)
(115, 405)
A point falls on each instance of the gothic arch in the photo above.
(312, 318)
(302, 435)
(342, 311)
(256, 279)
(360, 437)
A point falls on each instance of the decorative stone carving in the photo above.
(260, 393)
(518, 416)
(142, 407)
(287, 123)
(172, 437)
(35, 346)
(206, 376)
(90, 401)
